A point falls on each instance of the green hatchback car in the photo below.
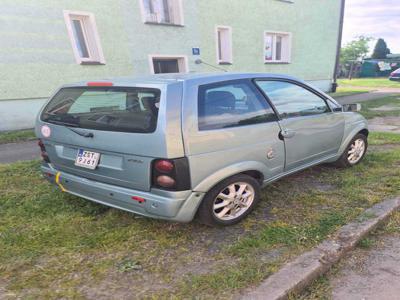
(176, 146)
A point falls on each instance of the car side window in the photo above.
(292, 100)
(230, 104)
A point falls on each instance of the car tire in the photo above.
(354, 153)
(230, 201)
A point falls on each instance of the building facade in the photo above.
(46, 43)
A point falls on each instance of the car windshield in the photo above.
(105, 108)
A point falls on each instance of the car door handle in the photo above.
(288, 133)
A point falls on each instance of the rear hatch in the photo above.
(106, 133)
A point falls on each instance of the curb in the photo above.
(301, 272)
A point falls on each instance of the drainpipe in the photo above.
(339, 46)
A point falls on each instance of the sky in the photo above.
(374, 18)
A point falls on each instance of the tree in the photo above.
(381, 50)
(355, 50)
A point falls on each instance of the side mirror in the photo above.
(337, 109)
(352, 107)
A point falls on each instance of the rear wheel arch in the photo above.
(364, 132)
(257, 175)
(254, 169)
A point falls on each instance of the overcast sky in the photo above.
(374, 18)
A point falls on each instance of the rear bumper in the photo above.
(394, 78)
(175, 206)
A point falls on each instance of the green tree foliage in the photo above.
(381, 50)
(355, 50)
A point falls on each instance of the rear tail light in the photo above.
(43, 152)
(165, 181)
(392, 74)
(171, 174)
(164, 166)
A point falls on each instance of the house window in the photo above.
(85, 41)
(277, 47)
(162, 11)
(224, 44)
(168, 64)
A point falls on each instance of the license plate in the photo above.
(87, 159)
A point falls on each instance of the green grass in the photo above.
(16, 136)
(390, 100)
(381, 138)
(369, 83)
(348, 91)
(55, 245)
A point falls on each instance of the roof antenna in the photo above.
(199, 61)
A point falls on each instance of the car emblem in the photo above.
(271, 154)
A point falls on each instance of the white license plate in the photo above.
(87, 159)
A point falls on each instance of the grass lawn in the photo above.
(369, 83)
(392, 101)
(54, 245)
(16, 136)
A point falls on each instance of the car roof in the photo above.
(185, 77)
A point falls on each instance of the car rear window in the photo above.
(105, 108)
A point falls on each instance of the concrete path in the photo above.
(379, 93)
(19, 151)
(373, 274)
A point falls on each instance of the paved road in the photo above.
(370, 275)
(367, 96)
(19, 151)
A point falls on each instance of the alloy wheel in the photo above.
(233, 201)
(356, 151)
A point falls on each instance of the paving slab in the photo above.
(14, 152)
(371, 275)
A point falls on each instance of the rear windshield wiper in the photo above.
(84, 134)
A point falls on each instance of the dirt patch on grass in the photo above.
(383, 148)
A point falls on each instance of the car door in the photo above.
(231, 125)
(310, 130)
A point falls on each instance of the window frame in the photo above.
(91, 37)
(300, 84)
(254, 87)
(183, 63)
(228, 61)
(179, 8)
(274, 34)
